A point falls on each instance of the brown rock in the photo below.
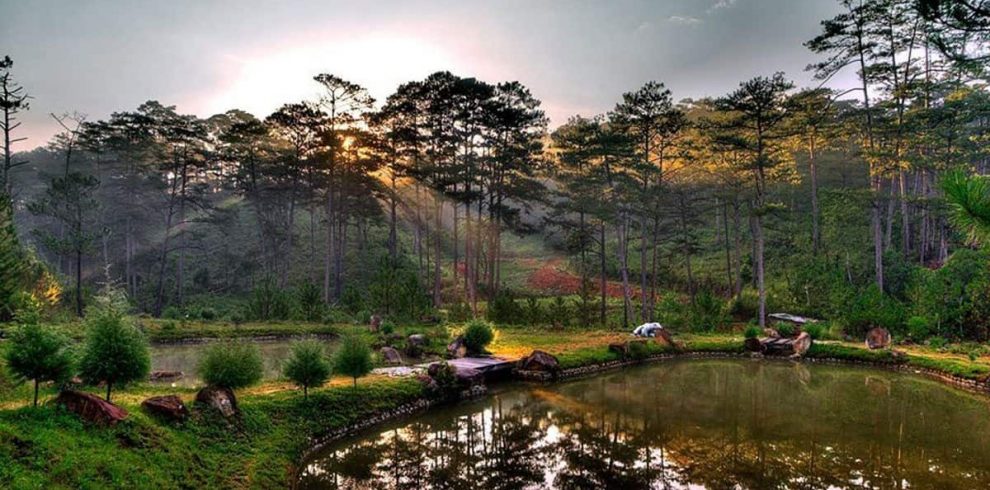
(391, 356)
(169, 407)
(802, 343)
(753, 345)
(664, 337)
(539, 361)
(165, 375)
(468, 377)
(620, 348)
(769, 332)
(91, 408)
(219, 399)
(457, 348)
(878, 338)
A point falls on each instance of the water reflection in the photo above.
(700, 424)
(186, 357)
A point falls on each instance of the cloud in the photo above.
(719, 5)
(683, 19)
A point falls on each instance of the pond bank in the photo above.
(278, 428)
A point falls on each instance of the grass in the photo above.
(47, 448)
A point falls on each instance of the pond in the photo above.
(690, 424)
(185, 358)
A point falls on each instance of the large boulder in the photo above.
(878, 338)
(468, 377)
(457, 348)
(620, 348)
(391, 356)
(415, 344)
(802, 343)
(168, 407)
(91, 408)
(539, 361)
(753, 344)
(220, 399)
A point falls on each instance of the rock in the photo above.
(220, 399)
(769, 332)
(621, 348)
(753, 345)
(468, 377)
(91, 408)
(417, 339)
(391, 356)
(665, 338)
(802, 343)
(165, 375)
(539, 361)
(878, 338)
(168, 407)
(376, 321)
(457, 348)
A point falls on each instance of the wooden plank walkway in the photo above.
(486, 365)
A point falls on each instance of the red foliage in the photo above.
(551, 279)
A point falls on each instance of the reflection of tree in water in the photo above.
(713, 424)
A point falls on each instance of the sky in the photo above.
(205, 57)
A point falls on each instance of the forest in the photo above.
(453, 198)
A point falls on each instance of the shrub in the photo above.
(115, 352)
(918, 328)
(707, 312)
(351, 300)
(231, 365)
(477, 335)
(362, 317)
(534, 312)
(871, 308)
(387, 328)
(310, 301)
(237, 318)
(207, 313)
(353, 358)
(815, 330)
(38, 354)
(638, 350)
(504, 309)
(446, 387)
(752, 332)
(268, 302)
(560, 313)
(172, 313)
(937, 342)
(459, 312)
(335, 316)
(784, 329)
(307, 366)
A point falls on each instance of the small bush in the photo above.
(446, 387)
(937, 342)
(639, 350)
(334, 316)
(477, 335)
(784, 329)
(815, 330)
(115, 352)
(38, 354)
(918, 328)
(237, 318)
(268, 302)
(310, 301)
(559, 312)
(752, 332)
(362, 317)
(231, 365)
(308, 365)
(459, 312)
(172, 313)
(387, 328)
(353, 358)
(534, 312)
(504, 309)
(207, 313)
(351, 300)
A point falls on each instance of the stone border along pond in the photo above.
(899, 364)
